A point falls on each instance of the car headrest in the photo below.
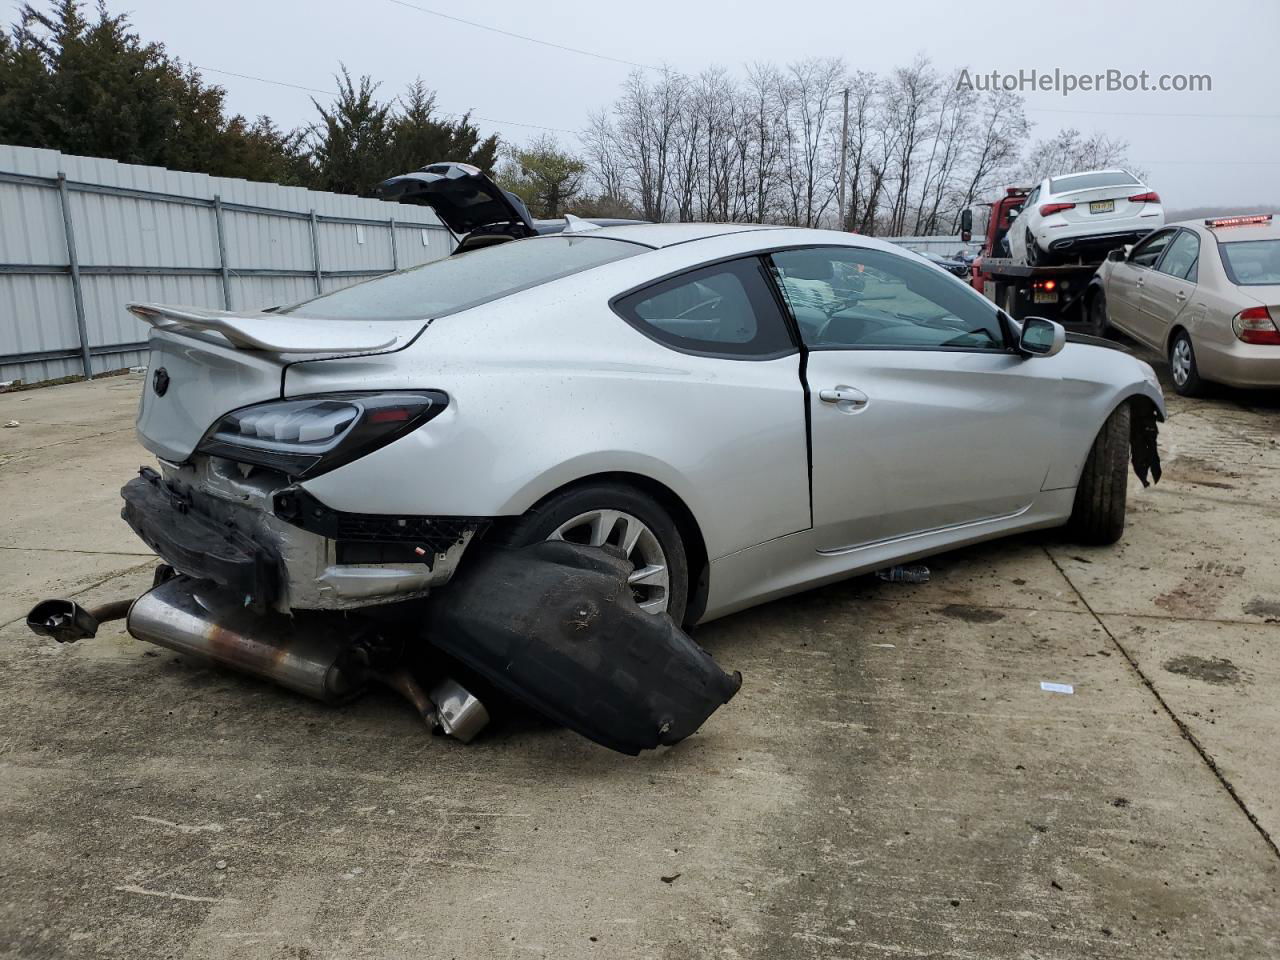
(809, 265)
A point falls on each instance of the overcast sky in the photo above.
(1219, 147)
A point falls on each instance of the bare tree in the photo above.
(808, 94)
(994, 147)
(766, 147)
(1068, 150)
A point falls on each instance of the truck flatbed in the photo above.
(1007, 267)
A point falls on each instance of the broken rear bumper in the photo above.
(279, 548)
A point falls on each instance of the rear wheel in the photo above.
(1099, 325)
(1097, 516)
(601, 514)
(1033, 251)
(1182, 366)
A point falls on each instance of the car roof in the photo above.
(669, 234)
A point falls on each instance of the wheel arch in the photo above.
(691, 535)
(1176, 328)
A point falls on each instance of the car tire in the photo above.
(1033, 251)
(659, 540)
(1182, 366)
(1099, 325)
(1097, 516)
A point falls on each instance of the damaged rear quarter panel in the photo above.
(548, 387)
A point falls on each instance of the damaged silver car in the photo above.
(607, 434)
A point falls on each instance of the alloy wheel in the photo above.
(1180, 361)
(650, 579)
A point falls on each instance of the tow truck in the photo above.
(1054, 292)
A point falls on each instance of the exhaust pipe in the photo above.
(66, 621)
(190, 617)
(316, 658)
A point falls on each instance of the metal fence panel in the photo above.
(146, 233)
(941, 245)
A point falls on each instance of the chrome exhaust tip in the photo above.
(66, 621)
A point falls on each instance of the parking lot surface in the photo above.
(892, 780)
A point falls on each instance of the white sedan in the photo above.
(1083, 215)
(1206, 294)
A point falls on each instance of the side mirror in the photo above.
(966, 225)
(1116, 255)
(1041, 337)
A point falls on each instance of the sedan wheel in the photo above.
(650, 580)
(617, 515)
(1182, 365)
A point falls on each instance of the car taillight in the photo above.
(309, 435)
(1254, 325)
(1149, 197)
(1050, 208)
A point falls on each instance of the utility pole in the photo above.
(844, 154)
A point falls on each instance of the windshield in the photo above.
(1252, 263)
(466, 280)
(1088, 181)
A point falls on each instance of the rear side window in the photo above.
(1182, 257)
(1252, 263)
(466, 280)
(1090, 181)
(726, 309)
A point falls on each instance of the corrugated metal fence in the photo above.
(80, 237)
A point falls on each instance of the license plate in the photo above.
(1044, 296)
(1102, 206)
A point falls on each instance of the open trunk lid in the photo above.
(471, 205)
(206, 363)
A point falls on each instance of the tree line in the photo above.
(918, 146)
(90, 85)
(764, 145)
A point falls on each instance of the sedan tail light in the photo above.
(1149, 197)
(1255, 325)
(1051, 208)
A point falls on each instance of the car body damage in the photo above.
(544, 457)
(554, 625)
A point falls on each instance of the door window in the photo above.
(1146, 253)
(857, 298)
(1182, 256)
(725, 310)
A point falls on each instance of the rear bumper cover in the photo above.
(193, 541)
(247, 534)
(1097, 242)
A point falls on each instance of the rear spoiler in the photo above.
(279, 333)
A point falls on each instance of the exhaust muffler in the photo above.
(189, 617)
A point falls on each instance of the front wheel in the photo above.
(1182, 366)
(1099, 325)
(1097, 516)
(601, 514)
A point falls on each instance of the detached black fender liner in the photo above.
(1143, 433)
(172, 524)
(555, 625)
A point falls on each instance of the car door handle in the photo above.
(843, 395)
(1139, 282)
(1180, 296)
